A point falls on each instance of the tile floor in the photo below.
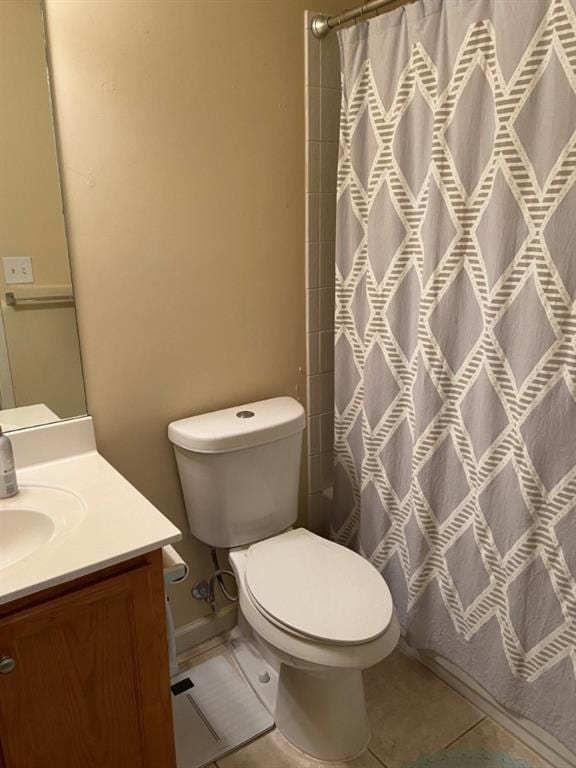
(401, 693)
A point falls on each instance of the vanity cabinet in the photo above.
(89, 687)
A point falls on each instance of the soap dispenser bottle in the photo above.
(8, 482)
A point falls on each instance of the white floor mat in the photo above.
(215, 711)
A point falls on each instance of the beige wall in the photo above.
(182, 137)
(42, 343)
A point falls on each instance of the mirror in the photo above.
(40, 366)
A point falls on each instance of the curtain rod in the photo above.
(321, 25)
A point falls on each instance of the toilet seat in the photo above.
(317, 589)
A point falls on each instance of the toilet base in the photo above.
(323, 713)
(259, 668)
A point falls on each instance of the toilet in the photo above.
(312, 612)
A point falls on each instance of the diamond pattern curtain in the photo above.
(456, 335)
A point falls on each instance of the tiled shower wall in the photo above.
(322, 124)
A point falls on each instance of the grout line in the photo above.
(450, 743)
(375, 756)
(482, 715)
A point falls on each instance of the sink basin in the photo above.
(34, 519)
(23, 531)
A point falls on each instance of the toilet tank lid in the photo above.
(242, 426)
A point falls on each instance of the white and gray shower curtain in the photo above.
(456, 335)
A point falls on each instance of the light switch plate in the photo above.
(18, 269)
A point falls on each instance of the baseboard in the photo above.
(527, 732)
(205, 628)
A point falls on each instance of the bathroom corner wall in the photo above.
(181, 132)
(322, 125)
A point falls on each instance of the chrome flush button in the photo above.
(245, 414)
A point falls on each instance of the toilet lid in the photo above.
(318, 589)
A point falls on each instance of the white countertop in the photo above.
(118, 523)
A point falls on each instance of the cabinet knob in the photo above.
(7, 665)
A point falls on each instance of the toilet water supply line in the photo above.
(176, 571)
(205, 590)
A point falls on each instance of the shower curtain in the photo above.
(455, 397)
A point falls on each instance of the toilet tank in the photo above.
(239, 470)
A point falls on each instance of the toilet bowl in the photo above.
(322, 647)
(317, 612)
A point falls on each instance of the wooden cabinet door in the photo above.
(91, 683)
